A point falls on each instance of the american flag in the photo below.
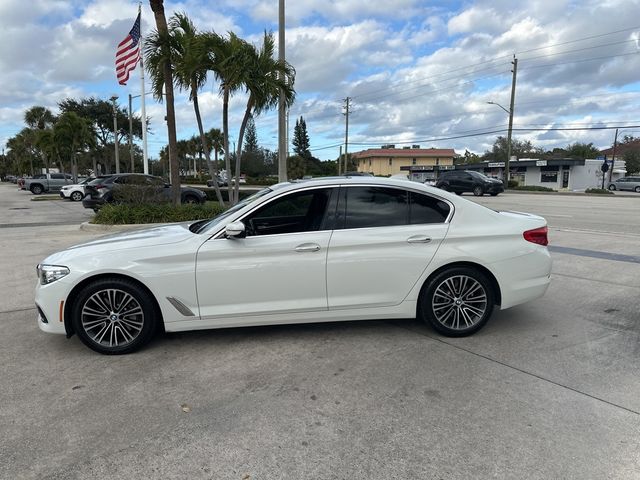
(128, 53)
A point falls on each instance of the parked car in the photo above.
(461, 181)
(222, 181)
(76, 192)
(100, 191)
(48, 182)
(323, 250)
(626, 183)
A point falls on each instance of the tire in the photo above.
(477, 191)
(75, 196)
(36, 189)
(98, 320)
(444, 310)
(612, 187)
(458, 193)
(637, 189)
(494, 194)
(190, 199)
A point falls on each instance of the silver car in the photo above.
(626, 183)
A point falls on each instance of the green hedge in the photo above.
(159, 213)
(533, 188)
(512, 184)
(601, 191)
(211, 193)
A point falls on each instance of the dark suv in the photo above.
(100, 190)
(460, 181)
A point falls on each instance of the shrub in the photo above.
(599, 191)
(138, 191)
(512, 184)
(122, 214)
(211, 193)
(534, 188)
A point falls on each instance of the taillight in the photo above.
(537, 235)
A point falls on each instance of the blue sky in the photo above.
(418, 72)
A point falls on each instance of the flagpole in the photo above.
(145, 159)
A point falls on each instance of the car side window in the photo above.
(293, 213)
(57, 176)
(366, 207)
(426, 209)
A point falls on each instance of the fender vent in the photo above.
(180, 307)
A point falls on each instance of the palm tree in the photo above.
(264, 79)
(226, 57)
(76, 134)
(190, 62)
(216, 140)
(48, 146)
(39, 117)
(160, 67)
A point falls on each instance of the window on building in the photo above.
(549, 174)
(369, 162)
(391, 161)
(413, 162)
(437, 161)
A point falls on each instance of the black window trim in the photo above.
(406, 189)
(334, 192)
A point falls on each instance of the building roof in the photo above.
(622, 148)
(405, 152)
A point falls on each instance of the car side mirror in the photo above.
(235, 230)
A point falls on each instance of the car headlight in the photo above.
(51, 273)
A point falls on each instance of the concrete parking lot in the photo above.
(550, 389)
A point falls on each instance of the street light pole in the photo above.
(506, 163)
(115, 131)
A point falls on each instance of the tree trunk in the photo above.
(243, 125)
(213, 169)
(225, 135)
(157, 6)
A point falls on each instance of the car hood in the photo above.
(141, 238)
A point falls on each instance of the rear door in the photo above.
(385, 238)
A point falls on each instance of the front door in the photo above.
(565, 179)
(280, 267)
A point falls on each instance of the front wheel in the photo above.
(114, 316)
(612, 187)
(494, 194)
(36, 189)
(457, 302)
(190, 199)
(477, 191)
(76, 196)
(637, 189)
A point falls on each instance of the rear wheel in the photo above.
(637, 189)
(612, 187)
(36, 189)
(477, 191)
(114, 316)
(190, 199)
(494, 194)
(76, 196)
(457, 302)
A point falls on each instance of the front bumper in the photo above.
(50, 304)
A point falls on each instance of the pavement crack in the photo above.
(20, 309)
(520, 370)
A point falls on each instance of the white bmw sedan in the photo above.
(322, 250)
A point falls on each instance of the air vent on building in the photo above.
(415, 146)
(406, 148)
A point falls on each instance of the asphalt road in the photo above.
(549, 389)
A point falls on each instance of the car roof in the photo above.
(356, 180)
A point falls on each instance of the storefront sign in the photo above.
(541, 163)
(496, 164)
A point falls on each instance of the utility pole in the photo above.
(346, 133)
(115, 131)
(340, 161)
(133, 168)
(613, 157)
(513, 98)
(282, 146)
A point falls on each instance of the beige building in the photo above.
(389, 160)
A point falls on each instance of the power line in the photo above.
(579, 49)
(579, 40)
(580, 61)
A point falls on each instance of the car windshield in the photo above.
(204, 225)
(96, 181)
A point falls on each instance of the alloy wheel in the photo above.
(112, 318)
(459, 302)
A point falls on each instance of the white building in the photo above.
(559, 174)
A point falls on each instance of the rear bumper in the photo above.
(92, 203)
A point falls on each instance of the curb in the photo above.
(94, 227)
(578, 194)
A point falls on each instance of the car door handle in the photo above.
(308, 247)
(419, 239)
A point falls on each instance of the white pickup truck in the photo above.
(47, 182)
